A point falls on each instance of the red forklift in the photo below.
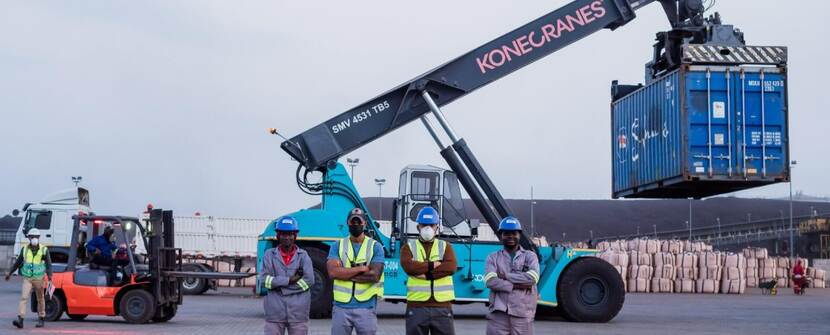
(139, 288)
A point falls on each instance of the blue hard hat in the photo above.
(286, 223)
(428, 215)
(510, 224)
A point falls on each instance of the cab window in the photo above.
(42, 220)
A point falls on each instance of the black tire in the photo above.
(590, 290)
(321, 291)
(137, 306)
(76, 317)
(169, 313)
(193, 286)
(54, 307)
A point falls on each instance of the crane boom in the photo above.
(321, 146)
(382, 114)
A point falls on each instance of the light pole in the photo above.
(718, 219)
(352, 163)
(532, 217)
(380, 182)
(77, 180)
(690, 219)
(792, 238)
(591, 232)
(655, 230)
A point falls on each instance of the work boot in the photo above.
(39, 322)
(18, 323)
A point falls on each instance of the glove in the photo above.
(8, 275)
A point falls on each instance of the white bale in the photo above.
(663, 258)
(639, 258)
(671, 246)
(734, 260)
(707, 286)
(752, 263)
(736, 286)
(710, 273)
(752, 282)
(662, 285)
(684, 286)
(640, 271)
(686, 260)
(782, 262)
(665, 272)
(640, 285)
(687, 273)
(709, 259)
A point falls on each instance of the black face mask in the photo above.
(356, 230)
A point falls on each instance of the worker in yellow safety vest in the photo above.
(34, 262)
(356, 265)
(430, 264)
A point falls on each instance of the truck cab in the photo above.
(53, 217)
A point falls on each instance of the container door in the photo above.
(761, 101)
(711, 119)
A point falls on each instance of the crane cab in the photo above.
(426, 185)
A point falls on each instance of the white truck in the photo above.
(53, 217)
(224, 246)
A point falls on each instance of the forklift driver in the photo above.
(101, 248)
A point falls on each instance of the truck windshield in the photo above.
(37, 219)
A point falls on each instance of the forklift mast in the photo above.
(318, 148)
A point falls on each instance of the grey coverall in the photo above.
(512, 310)
(287, 305)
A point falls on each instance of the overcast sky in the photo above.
(168, 101)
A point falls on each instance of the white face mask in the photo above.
(427, 233)
(34, 241)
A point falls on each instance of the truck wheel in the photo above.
(321, 291)
(590, 290)
(137, 306)
(54, 307)
(193, 286)
(169, 313)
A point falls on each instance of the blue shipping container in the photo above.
(701, 130)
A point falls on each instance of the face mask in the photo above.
(34, 241)
(427, 233)
(355, 230)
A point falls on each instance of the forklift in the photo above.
(139, 292)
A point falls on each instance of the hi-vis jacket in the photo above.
(523, 268)
(286, 302)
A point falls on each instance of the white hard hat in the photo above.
(33, 232)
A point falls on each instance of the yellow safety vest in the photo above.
(421, 289)
(34, 266)
(344, 290)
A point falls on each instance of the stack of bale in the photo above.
(711, 267)
(619, 260)
(754, 257)
(664, 273)
(734, 274)
(686, 272)
(818, 276)
(640, 271)
(766, 269)
(782, 273)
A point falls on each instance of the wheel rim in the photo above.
(190, 283)
(136, 306)
(593, 291)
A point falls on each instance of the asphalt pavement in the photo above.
(235, 311)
